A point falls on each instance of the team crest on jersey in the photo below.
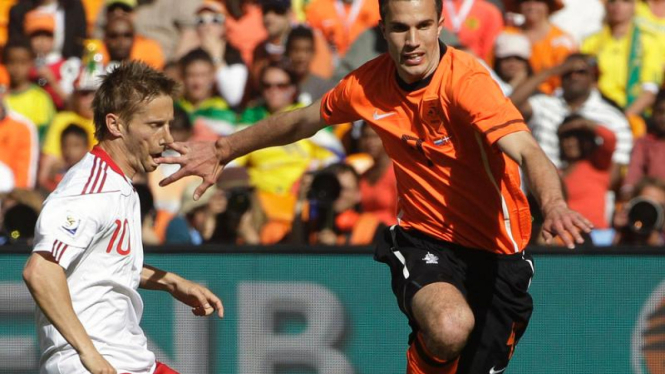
(72, 224)
(431, 259)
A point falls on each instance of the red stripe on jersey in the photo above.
(62, 252)
(92, 173)
(56, 249)
(101, 185)
(99, 172)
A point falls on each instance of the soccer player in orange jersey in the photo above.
(457, 256)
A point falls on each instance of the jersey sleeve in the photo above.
(67, 226)
(481, 102)
(337, 104)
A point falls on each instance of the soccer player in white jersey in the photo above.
(87, 262)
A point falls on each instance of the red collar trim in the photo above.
(99, 152)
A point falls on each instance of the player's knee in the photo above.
(449, 332)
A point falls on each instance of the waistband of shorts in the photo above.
(419, 236)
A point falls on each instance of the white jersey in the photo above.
(91, 224)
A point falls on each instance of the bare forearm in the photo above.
(278, 129)
(543, 180)
(644, 101)
(156, 279)
(522, 92)
(48, 285)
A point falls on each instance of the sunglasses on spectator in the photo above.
(279, 85)
(277, 9)
(126, 35)
(204, 19)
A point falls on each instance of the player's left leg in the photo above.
(163, 369)
(497, 294)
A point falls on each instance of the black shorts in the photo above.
(495, 286)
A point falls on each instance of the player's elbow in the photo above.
(34, 272)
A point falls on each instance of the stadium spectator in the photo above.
(586, 153)
(230, 70)
(648, 156)
(122, 44)
(342, 21)
(511, 61)
(148, 214)
(275, 170)
(195, 222)
(110, 9)
(5, 6)
(6, 180)
(200, 98)
(332, 215)
(170, 23)
(650, 17)
(378, 186)
(241, 221)
(549, 44)
(20, 146)
(578, 95)
(475, 23)
(25, 97)
(70, 25)
(371, 44)
(300, 49)
(245, 15)
(51, 72)
(74, 144)
(629, 60)
(642, 224)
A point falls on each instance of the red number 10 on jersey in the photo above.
(124, 227)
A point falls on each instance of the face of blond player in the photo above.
(145, 137)
(412, 30)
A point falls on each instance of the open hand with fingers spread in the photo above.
(565, 223)
(196, 158)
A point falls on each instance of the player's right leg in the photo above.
(445, 322)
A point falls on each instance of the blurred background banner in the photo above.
(297, 313)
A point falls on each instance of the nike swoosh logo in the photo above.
(378, 116)
(492, 371)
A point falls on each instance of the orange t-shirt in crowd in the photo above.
(19, 148)
(478, 30)
(453, 183)
(549, 52)
(247, 32)
(144, 49)
(342, 23)
(380, 198)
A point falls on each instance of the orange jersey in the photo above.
(453, 182)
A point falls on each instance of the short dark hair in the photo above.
(16, 44)
(281, 65)
(125, 89)
(197, 54)
(299, 32)
(76, 130)
(383, 8)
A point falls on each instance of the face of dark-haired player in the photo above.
(412, 29)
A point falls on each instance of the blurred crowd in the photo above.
(586, 75)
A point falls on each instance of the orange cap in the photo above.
(38, 21)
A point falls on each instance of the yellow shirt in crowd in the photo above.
(612, 55)
(61, 121)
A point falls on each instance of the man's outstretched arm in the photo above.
(545, 185)
(207, 159)
(201, 299)
(47, 283)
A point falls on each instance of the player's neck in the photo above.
(117, 151)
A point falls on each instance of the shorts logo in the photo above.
(431, 259)
(72, 224)
(492, 371)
